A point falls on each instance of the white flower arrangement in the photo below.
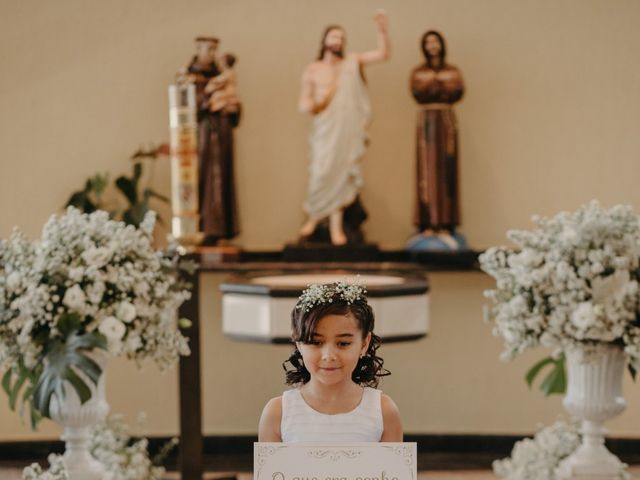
(89, 282)
(537, 458)
(573, 282)
(112, 446)
(56, 470)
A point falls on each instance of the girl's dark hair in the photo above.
(303, 325)
(443, 48)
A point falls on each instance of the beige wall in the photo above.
(550, 120)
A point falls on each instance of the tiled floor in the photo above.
(13, 474)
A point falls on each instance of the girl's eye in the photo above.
(344, 344)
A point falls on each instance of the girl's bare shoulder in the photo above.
(269, 428)
(391, 419)
(273, 407)
(388, 405)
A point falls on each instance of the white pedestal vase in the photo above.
(594, 395)
(77, 420)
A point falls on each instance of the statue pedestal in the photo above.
(322, 252)
(218, 254)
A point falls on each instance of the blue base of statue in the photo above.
(433, 243)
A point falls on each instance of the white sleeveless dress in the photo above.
(301, 423)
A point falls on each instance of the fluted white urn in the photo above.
(594, 395)
(77, 420)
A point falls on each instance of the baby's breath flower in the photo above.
(111, 445)
(573, 280)
(537, 458)
(100, 274)
(318, 294)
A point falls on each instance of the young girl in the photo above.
(334, 375)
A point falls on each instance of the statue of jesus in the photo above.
(334, 92)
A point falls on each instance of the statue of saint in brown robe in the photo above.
(437, 85)
(216, 120)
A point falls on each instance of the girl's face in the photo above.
(336, 346)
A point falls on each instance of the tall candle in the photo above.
(185, 224)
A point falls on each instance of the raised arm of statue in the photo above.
(382, 52)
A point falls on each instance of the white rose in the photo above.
(97, 257)
(74, 298)
(584, 316)
(114, 330)
(126, 312)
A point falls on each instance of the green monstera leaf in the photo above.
(19, 380)
(556, 380)
(64, 360)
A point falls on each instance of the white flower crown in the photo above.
(317, 294)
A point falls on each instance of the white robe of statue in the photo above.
(338, 141)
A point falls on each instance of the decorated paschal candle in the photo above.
(185, 224)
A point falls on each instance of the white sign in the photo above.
(332, 461)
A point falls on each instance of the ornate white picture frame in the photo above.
(331, 461)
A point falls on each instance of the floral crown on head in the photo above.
(317, 294)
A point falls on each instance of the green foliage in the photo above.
(137, 197)
(138, 204)
(13, 382)
(89, 199)
(65, 359)
(556, 380)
